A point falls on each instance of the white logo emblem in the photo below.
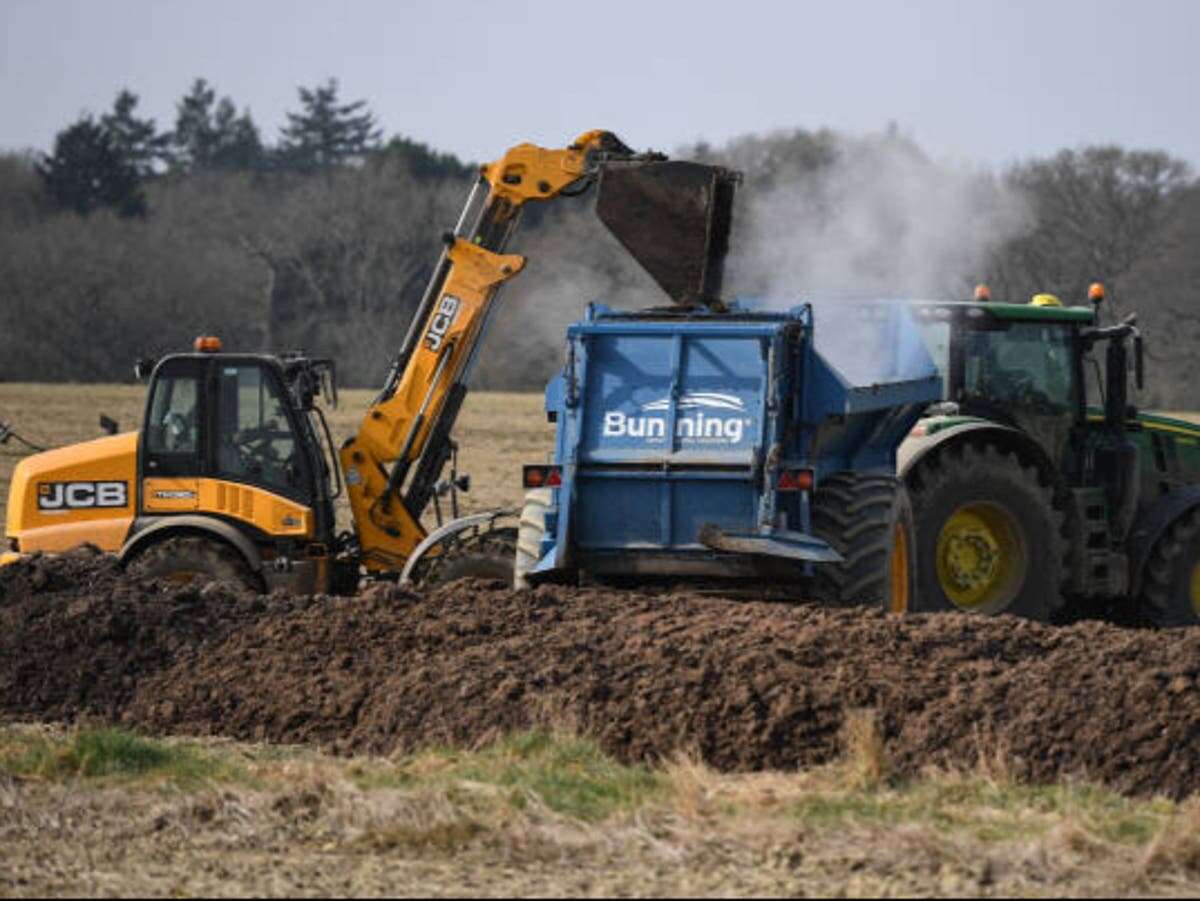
(697, 420)
(81, 495)
(440, 324)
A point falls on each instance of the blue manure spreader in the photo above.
(723, 446)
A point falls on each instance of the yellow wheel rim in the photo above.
(981, 558)
(1196, 589)
(899, 598)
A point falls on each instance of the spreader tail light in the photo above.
(795, 480)
(542, 476)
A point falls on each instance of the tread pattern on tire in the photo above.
(1160, 596)
(213, 557)
(854, 513)
(931, 474)
(529, 534)
(486, 555)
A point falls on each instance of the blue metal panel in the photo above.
(639, 510)
(686, 396)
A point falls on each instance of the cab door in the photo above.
(256, 436)
(174, 437)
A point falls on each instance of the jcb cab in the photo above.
(227, 478)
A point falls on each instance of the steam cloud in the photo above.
(819, 218)
(878, 219)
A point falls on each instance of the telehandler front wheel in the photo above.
(989, 539)
(187, 559)
(868, 520)
(1171, 588)
(488, 555)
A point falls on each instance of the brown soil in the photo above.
(746, 685)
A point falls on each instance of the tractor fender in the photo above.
(449, 530)
(1152, 523)
(916, 447)
(205, 525)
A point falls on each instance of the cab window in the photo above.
(254, 438)
(1027, 365)
(174, 426)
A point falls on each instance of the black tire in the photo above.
(868, 520)
(488, 556)
(188, 559)
(1170, 595)
(529, 534)
(987, 522)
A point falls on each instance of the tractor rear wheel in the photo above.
(529, 535)
(191, 558)
(1171, 589)
(989, 539)
(868, 520)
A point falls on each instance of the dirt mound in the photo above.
(747, 685)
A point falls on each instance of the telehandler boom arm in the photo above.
(394, 461)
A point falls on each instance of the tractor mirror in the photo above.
(1139, 363)
(108, 425)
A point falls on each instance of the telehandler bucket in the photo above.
(674, 218)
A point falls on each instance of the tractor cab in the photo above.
(1012, 364)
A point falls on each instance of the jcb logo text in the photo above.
(82, 495)
(442, 320)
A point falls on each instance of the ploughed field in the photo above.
(743, 686)
(836, 716)
(746, 686)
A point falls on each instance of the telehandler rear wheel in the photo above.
(868, 520)
(1171, 589)
(529, 534)
(989, 539)
(192, 558)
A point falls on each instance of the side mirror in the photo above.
(1139, 363)
(143, 368)
(108, 425)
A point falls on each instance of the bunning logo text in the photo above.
(697, 420)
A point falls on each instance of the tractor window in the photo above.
(255, 442)
(174, 425)
(1026, 366)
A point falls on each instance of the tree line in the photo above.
(125, 240)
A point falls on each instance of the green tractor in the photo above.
(1036, 484)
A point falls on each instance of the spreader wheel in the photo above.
(868, 520)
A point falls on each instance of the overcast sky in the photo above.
(992, 80)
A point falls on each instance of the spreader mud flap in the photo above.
(776, 543)
(674, 218)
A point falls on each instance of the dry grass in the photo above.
(543, 814)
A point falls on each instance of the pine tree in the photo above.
(327, 133)
(208, 138)
(136, 140)
(87, 171)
